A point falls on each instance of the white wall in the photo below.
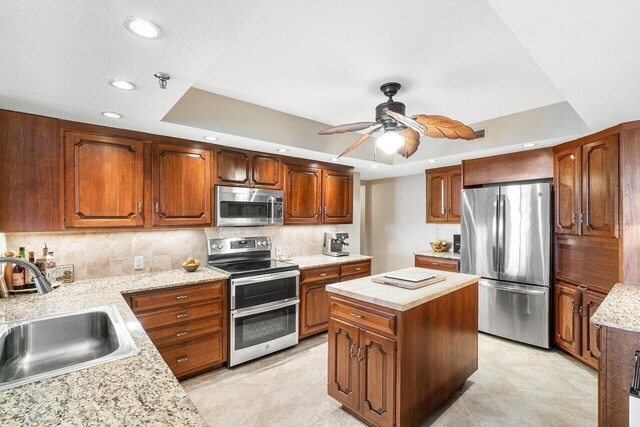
(395, 224)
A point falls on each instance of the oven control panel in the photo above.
(238, 245)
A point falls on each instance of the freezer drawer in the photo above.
(515, 311)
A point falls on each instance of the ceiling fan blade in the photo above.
(404, 120)
(349, 127)
(362, 139)
(444, 127)
(411, 143)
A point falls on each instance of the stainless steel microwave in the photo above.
(248, 207)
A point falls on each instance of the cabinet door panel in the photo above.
(590, 339)
(600, 188)
(314, 307)
(567, 318)
(181, 185)
(337, 197)
(302, 195)
(343, 364)
(454, 213)
(437, 197)
(567, 191)
(103, 180)
(232, 167)
(266, 171)
(377, 356)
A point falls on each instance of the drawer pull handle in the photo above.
(323, 274)
(358, 269)
(435, 263)
(181, 334)
(181, 315)
(182, 359)
(182, 296)
(356, 315)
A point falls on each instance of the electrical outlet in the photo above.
(278, 250)
(138, 262)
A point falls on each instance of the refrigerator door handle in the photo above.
(501, 230)
(496, 224)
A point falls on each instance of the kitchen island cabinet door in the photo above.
(337, 197)
(343, 363)
(104, 180)
(302, 195)
(232, 167)
(377, 360)
(567, 302)
(181, 185)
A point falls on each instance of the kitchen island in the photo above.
(396, 354)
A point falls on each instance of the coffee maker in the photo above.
(334, 244)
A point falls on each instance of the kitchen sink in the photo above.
(34, 349)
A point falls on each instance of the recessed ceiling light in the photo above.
(431, 161)
(374, 166)
(142, 27)
(335, 159)
(122, 84)
(282, 150)
(211, 138)
(529, 144)
(111, 114)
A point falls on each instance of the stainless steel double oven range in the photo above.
(264, 296)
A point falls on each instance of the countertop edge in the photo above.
(620, 309)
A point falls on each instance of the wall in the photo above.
(106, 254)
(395, 222)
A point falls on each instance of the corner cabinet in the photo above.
(181, 188)
(317, 196)
(443, 191)
(104, 181)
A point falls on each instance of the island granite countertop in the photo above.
(138, 390)
(620, 309)
(313, 261)
(400, 299)
(434, 254)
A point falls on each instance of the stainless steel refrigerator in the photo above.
(506, 239)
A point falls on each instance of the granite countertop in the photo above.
(312, 261)
(620, 309)
(398, 298)
(445, 255)
(134, 391)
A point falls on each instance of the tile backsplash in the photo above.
(106, 254)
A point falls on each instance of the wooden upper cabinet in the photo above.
(377, 356)
(600, 187)
(302, 195)
(232, 167)
(181, 185)
(455, 195)
(567, 301)
(567, 190)
(337, 197)
(266, 171)
(104, 180)
(444, 188)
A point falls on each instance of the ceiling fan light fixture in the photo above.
(390, 142)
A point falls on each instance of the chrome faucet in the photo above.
(42, 284)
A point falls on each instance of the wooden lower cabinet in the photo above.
(573, 332)
(437, 263)
(314, 299)
(187, 324)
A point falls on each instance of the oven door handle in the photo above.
(264, 278)
(244, 312)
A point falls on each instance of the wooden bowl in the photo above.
(191, 268)
(439, 248)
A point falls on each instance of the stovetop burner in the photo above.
(253, 267)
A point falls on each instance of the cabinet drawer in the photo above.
(193, 355)
(363, 316)
(355, 276)
(437, 264)
(177, 296)
(175, 315)
(356, 268)
(186, 331)
(314, 274)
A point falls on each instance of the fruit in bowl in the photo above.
(191, 264)
(439, 246)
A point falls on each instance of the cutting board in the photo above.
(409, 278)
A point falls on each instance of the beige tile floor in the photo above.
(515, 385)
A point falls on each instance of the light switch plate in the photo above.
(138, 262)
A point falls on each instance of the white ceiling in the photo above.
(324, 61)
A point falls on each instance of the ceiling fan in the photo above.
(396, 132)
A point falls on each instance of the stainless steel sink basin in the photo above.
(34, 349)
